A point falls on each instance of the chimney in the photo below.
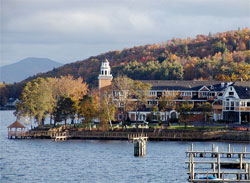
(222, 85)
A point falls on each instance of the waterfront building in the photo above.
(11, 103)
(235, 102)
(230, 100)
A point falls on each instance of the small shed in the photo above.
(16, 130)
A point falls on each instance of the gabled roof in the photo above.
(176, 88)
(207, 89)
(218, 87)
(243, 92)
(16, 124)
(243, 89)
(179, 85)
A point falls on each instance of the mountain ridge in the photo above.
(25, 68)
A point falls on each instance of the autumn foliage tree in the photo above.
(88, 107)
(41, 97)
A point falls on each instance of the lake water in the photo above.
(35, 160)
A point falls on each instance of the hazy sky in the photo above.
(71, 30)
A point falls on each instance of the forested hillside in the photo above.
(221, 56)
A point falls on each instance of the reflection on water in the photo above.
(91, 161)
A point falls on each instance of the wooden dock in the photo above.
(60, 134)
(152, 134)
(222, 163)
(60, 138)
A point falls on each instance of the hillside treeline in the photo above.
(221, 56)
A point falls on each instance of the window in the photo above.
(204, 94)
(152, 93)
(237, 104)
(159, 94)
(187, 93)
(248, 104)
(119, 116)
(242, 104)
(154, 102)
(231, 93)
(142, 117)
(149, 102)
(105, 72)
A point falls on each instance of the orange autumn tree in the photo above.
(67, 85)
(88, 107)
(75, 89)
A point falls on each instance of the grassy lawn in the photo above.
(182, 127)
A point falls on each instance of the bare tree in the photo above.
(122, 87)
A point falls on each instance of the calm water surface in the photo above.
(29, 160)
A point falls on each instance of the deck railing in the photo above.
(16, 133)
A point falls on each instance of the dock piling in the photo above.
(241, 161)
(218, 165)
(229, 154)
(248, 171)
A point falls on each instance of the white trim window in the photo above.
(204, 94)
(242, 104)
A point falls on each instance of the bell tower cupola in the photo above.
(105, 69)
(105, 76)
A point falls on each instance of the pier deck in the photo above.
(219, 173)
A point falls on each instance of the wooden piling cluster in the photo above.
(219, 160)
(139, 141)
